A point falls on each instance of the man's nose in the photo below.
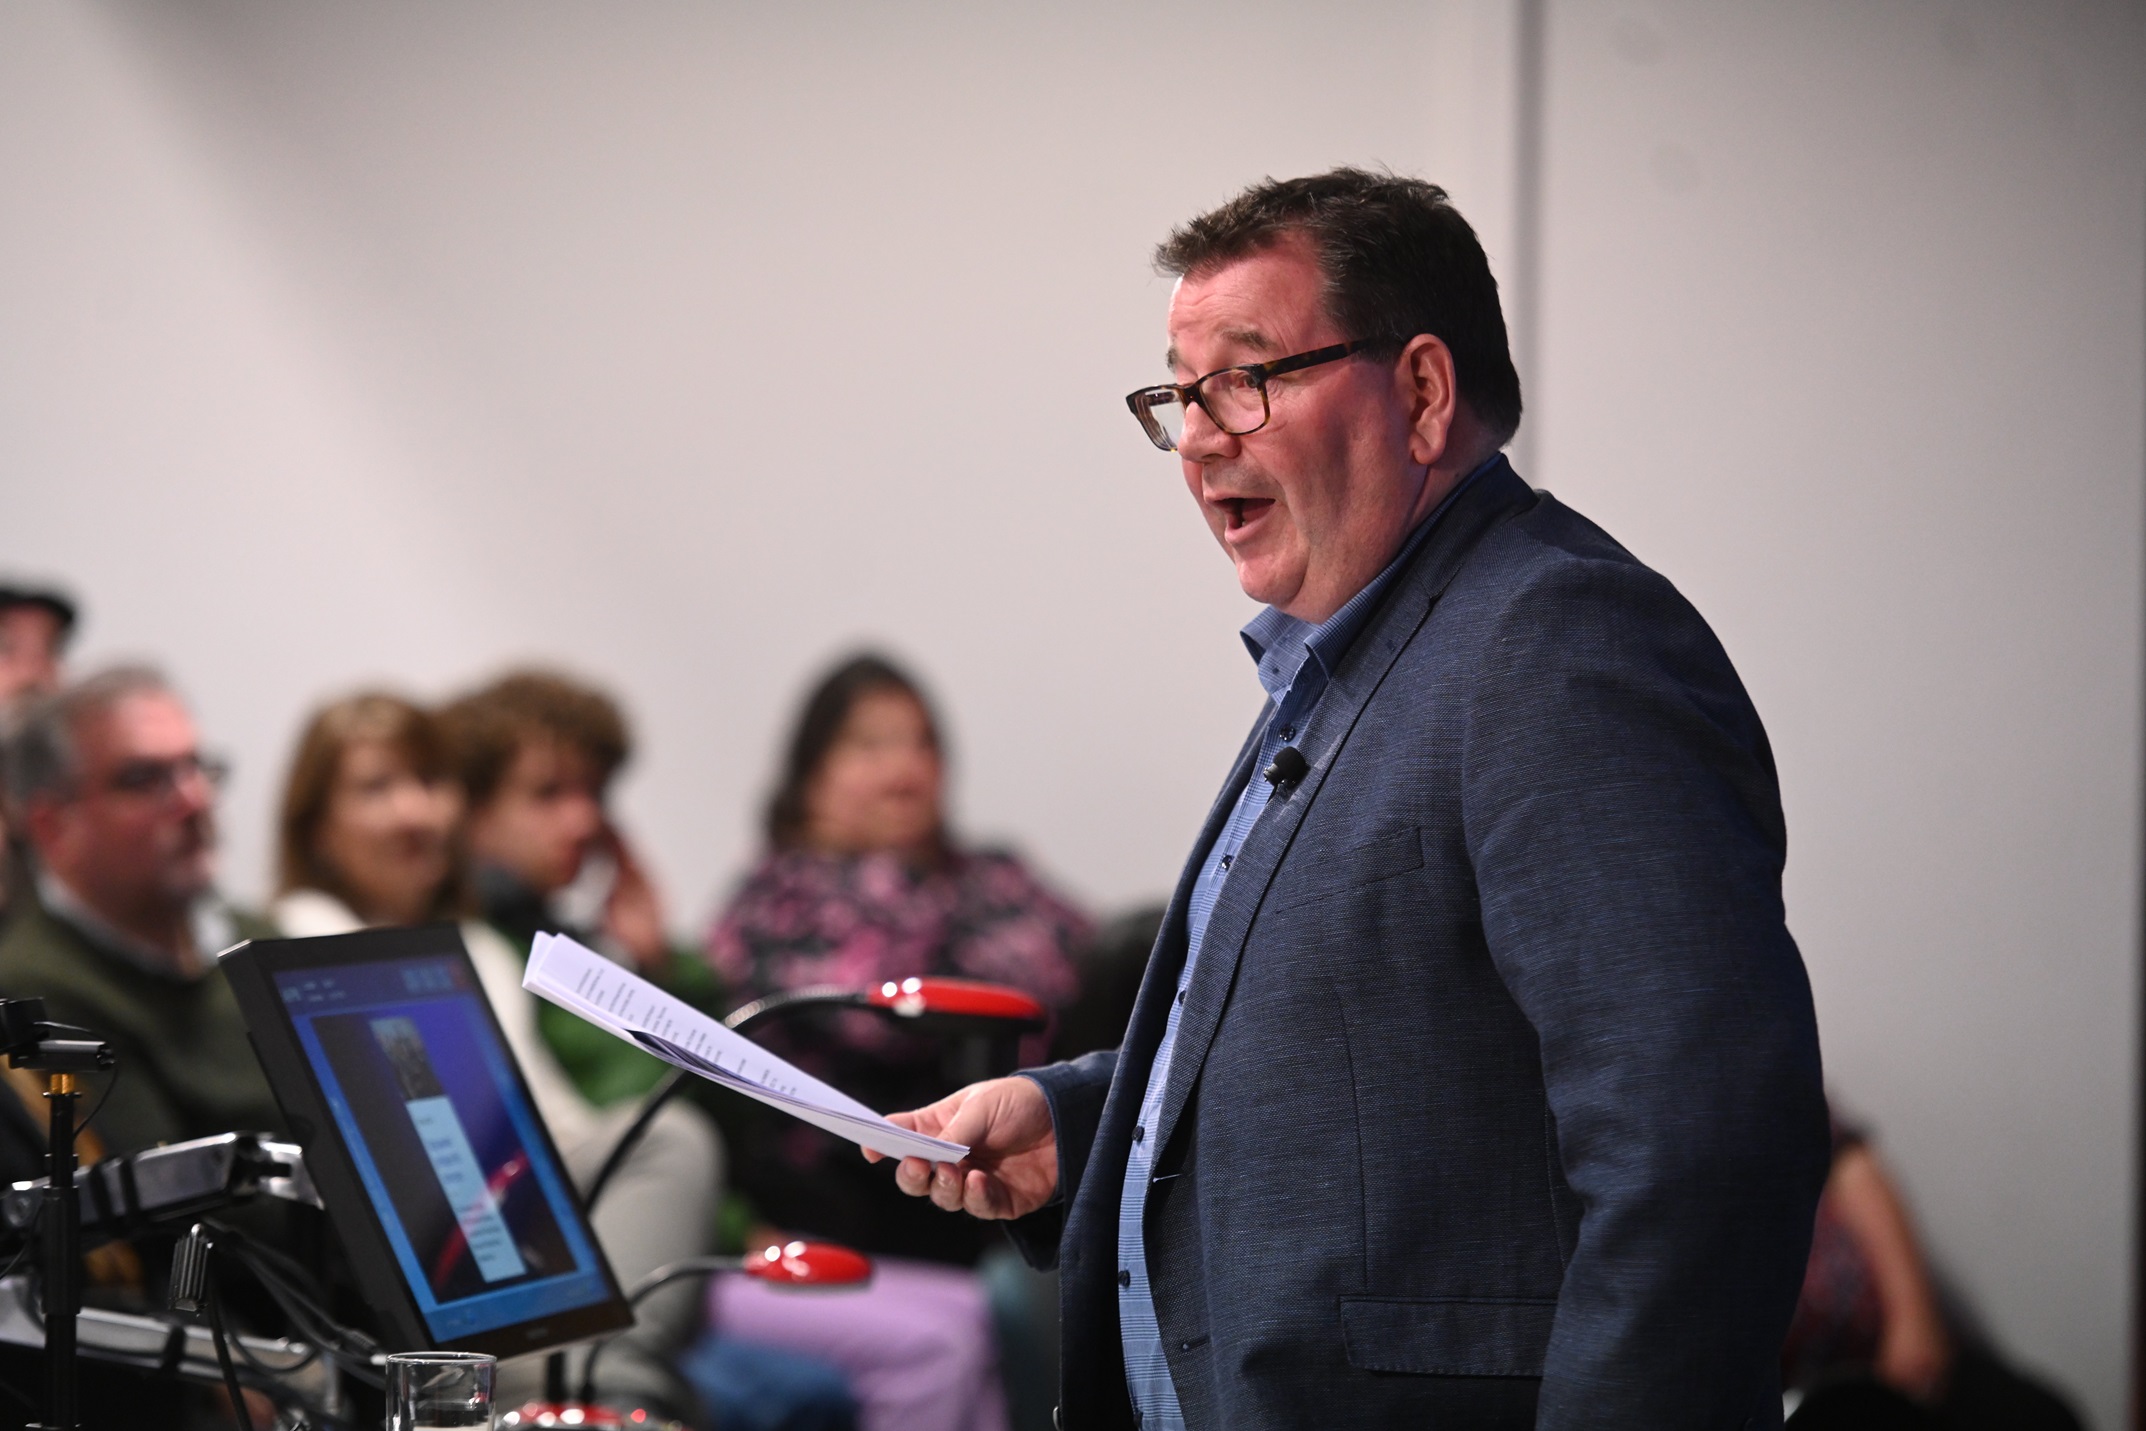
(1202, 438)
(192, 791)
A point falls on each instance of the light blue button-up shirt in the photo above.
(1295, 661)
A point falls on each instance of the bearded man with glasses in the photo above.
(120, 929)
(1474, 1080)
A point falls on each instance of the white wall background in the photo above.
(1843, 330)
(688, 345)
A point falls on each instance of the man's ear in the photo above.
(42, 821)
(1431, 395)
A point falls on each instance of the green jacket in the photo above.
(185, 1067)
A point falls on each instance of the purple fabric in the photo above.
(916, 1344)
(804, 918)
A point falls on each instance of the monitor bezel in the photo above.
(251, 968)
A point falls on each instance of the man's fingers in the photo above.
(913, 1176)
(981, 1123)
(985, 1196)
(947, 1187)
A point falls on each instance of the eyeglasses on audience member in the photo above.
(160, 779)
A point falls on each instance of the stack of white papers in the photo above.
(584, 982)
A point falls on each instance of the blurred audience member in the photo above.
(35, 626)
(863, 884)
(120, 928)
(1872, 1345)
(368, 836)
(116, 927)
(536, 753)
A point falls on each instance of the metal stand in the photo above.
(29, 1041)
(63, 1258)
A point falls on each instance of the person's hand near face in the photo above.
(544, 821)
(878, 790)
(633, 911)
(388, 834)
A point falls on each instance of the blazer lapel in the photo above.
(1151, 1007)
(1095, 1200)
(1494, 496)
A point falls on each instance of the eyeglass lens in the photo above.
(1236, 403)
(1233, 402)
(1165, 415)
(158, 777)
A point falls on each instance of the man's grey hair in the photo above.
(37, 749)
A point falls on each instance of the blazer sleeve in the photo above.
(1075, 1090)
(1622, 815)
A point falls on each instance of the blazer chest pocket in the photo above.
(1433, 1336)
(1396, 852)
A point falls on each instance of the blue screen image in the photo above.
(483, 1224)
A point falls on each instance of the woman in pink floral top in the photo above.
(863, 885)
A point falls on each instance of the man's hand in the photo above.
(1012, 1166)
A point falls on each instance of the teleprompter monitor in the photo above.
(464, 1230)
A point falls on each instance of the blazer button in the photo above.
(1140, 1132)
(1125, 1278)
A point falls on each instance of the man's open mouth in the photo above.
(1244, 510)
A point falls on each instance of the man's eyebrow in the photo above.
(1244, 337)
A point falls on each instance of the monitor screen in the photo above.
(408, 1067)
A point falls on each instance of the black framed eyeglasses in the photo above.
(160, 779)
(1235, 399)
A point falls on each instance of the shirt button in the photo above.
(1289, 732)
(1140, 1132)
(1181, 996)
(1227, 860)
(1125, 1278)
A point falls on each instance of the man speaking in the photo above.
(1474, 1080)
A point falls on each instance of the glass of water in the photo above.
(435, 1391)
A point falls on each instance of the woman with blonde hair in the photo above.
(370, 835)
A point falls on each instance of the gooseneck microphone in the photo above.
(1288, 768)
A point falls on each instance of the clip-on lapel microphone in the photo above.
(1288, 768)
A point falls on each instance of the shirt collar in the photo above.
(1280, 643)
(211, 921)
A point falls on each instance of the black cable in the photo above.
(102, 1098)
(650, 1107)
(662, 1277)
(252, 1358)
(555, 1364)
(738, 1020)
(239, 1408)
(321, 1332)
(280, 1274)
(29, 1240)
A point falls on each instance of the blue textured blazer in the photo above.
(1497, 1099)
